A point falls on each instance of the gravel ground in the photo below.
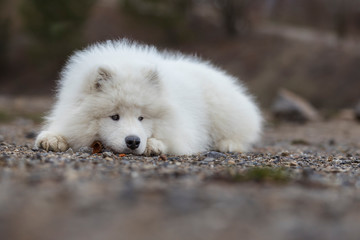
(300, 182)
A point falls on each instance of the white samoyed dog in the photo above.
(136, 99)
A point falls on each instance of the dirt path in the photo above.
(301, 182)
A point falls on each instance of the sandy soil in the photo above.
(300, 182)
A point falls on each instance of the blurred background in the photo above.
(310, 47)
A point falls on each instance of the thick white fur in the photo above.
(188, 105)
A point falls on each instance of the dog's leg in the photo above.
(51, 142)
(154, 147)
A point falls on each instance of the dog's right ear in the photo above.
(152, 76)
(102, 76)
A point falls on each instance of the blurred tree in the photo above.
(342, 12)
(55, 24)
(234, 13)
(4, 37)
(170, 15)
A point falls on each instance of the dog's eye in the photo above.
(115, 117)
(140, 118)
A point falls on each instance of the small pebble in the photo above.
(231, 162)
(85, 155)
(69, 151)
(293, 164)
(285, 154)
(35, 149)
(213, 154)
(208, 159)
(107, 154)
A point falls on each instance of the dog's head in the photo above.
(126, 103)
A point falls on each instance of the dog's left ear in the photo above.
(102, 75)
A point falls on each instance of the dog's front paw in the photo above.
(51, 142)
(154, 147)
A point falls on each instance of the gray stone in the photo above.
(85, 150)
(290, 107)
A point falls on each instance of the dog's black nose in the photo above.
(132, 142)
